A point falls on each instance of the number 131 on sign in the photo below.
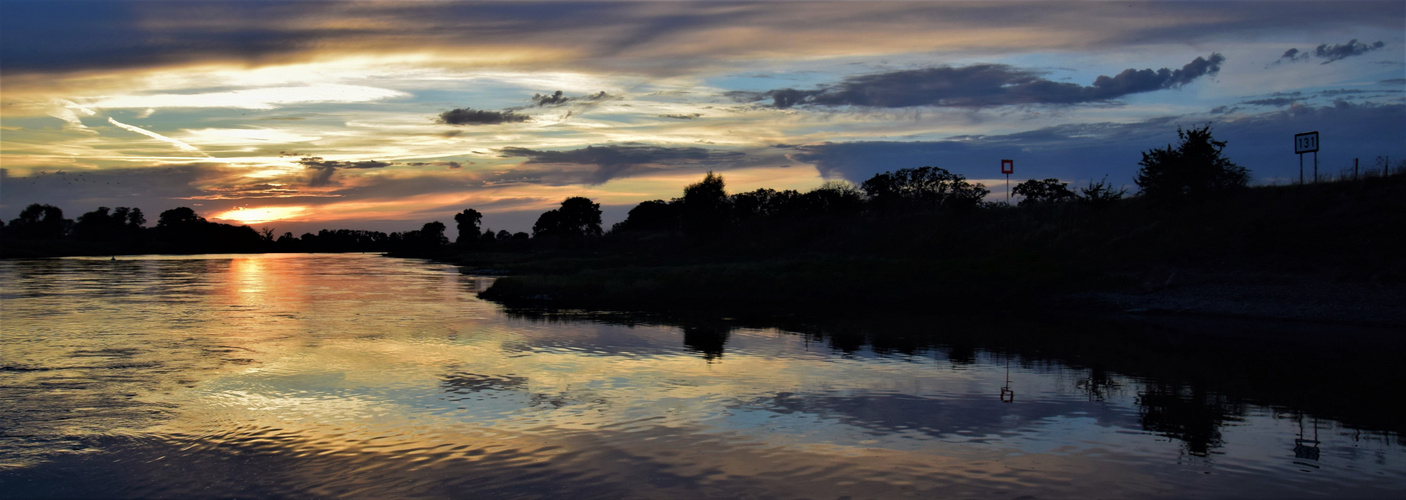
(1306, 142)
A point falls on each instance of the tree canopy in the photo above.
(923, 188)
(577, 217)
(1194, 168)
(467, 224)
(1043, 192)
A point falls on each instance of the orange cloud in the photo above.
(259, 215)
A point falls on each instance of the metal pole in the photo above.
(1300, 169)
(1354, 169)
(1315, 167)
(1008, 189)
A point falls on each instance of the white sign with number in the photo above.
(1306, 142)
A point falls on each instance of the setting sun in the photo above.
(261, 214)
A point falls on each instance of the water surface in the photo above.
(357, 375)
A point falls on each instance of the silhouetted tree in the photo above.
(182, 230)
(178, 217)
(653, 215)
(100, 225)
(467, 223)
(923, 188)
(135, 218)
(1043, 192)
(577, 217)
(705, 207)
(1193, 168)
(40, 222)
(428, 239)
(432, 234)
(833, 197)
(765, 203)
(1100, 194)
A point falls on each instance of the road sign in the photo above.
(1306, 142)
(1008, 167)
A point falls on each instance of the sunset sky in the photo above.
(386, 115)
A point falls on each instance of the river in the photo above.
(350, 375)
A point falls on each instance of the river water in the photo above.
(348, 375)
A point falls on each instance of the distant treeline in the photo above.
(41, 230)
(891, 209)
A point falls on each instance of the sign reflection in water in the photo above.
(356, 375)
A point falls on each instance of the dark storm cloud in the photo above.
(603, 163)
(323, 169)
(57, 36)
(982, 85)
(469, 116)
(1346, 50)
(1090, 151)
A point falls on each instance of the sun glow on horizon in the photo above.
(261, 214)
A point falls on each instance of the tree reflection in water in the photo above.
(1190, 384)
(1188, 414)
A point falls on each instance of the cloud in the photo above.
(681, 116)
(1294, 55)
(67, 111)
(256, 98)
(668, 38)
(181, 145)
(558, 99)
(323, 169)
(1260, 142)
(1346, 50)
(1274, 101)
(449, 164)
(1330, 52)
(982, 85)
(469, 116)
(603, 163)
(151, 188)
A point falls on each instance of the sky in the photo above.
(386, 115)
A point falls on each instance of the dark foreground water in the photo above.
(362, 376)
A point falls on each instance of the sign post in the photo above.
(1008, 167)
(1307, 142)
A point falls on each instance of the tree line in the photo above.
(1194, 168)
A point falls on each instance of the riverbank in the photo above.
(798, 287)
(1320, 253)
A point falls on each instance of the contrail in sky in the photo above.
(154, 135)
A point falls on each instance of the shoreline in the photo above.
(1182, 294)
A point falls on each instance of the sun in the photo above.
(261, 214)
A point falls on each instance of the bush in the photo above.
(1194, 168)
(1048, 191)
